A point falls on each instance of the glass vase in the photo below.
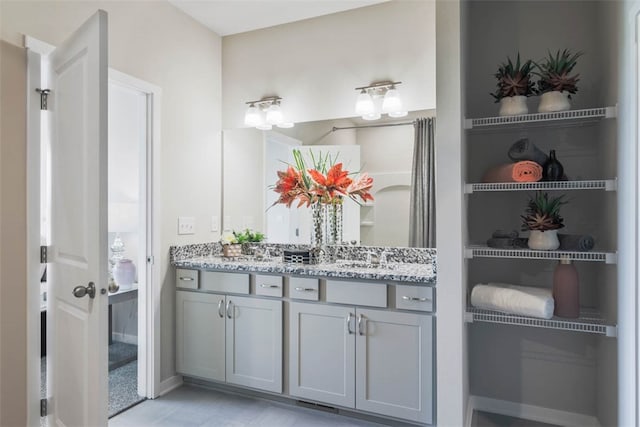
(335, 224)
(318, 225)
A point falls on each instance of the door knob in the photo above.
(80, 291)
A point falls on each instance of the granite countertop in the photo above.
(420, 273)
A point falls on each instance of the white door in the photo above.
(322, 353)
(394, 364)
(77, 338)
(254, 343)
(200, 335)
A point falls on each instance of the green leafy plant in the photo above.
(554, 72)
(514, 79)
(543, 213)
(248, 236)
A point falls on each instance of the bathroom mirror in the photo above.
(381, 148)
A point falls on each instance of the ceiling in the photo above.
(226, 17)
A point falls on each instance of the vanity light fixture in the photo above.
(379, 98)
(266, 113)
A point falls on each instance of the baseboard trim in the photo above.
(531, 412)
(125, 338)
(469, 412)
(169, 384)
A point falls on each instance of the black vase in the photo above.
(553, 170)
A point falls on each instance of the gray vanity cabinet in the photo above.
(394, 366)
(322, 353)
(372, 360)
(200, 335)
(254, 343)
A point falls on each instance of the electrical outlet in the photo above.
(215, 220)
(186, 225)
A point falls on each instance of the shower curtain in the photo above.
(422, 224)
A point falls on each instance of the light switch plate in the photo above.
(215, 221)
(186, 225)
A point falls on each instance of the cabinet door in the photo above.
(322, 353)
(394, 366)
(254, 343)
(200, 335)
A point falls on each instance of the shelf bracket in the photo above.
(611, 258)
(611, 112)
(468, 317)
(468, 189)
(468, 253)
(468, 123)
(611, 185)
(612, 331)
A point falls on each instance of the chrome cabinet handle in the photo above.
(228, 306)
(360, 324)
(80, 291)
(407, 298)
(220, 304)
(349, 331)
(187, 279)
(299, 289)
(269, 286)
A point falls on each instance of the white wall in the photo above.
(315, 64)
(157, 43)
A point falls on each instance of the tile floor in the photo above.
(190, 406)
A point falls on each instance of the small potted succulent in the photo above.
(542, 218)
(556, 85)
(238, 242)
(514, 86)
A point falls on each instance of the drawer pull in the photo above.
(299, 289)
(220, 304)
(408, 298)
(360, 324)
(228, 307)
(269, 286)
(186, 279)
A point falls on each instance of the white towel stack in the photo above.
(513, 299)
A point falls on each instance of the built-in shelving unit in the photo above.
(601, 184)
(560, 118)
(478, 251)
(589, 321)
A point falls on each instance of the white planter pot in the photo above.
(544, 240)
(124, 273)
(554, 101)
(513, 106)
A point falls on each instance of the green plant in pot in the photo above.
(556, 84)
(542, 218)
(514, 86)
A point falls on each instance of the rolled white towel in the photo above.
(513, 299)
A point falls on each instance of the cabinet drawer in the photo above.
(303, 288)
(414, 298)
(357, 293)
(270, 286)
(186, 279)
(217, 281)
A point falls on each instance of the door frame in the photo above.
(148, 316)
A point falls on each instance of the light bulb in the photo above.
(372, 116)
(252, 117)
(274, 115)
(286, 125)
(364, 104)
(398, 114)
(392, 102)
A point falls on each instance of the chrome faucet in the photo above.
(372, 258)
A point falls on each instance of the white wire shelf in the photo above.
(589, 321)
(543, 119)
(602, 184)
(477, 251)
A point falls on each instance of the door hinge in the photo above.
(43, 254)
(43, 407)
(44, 94)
